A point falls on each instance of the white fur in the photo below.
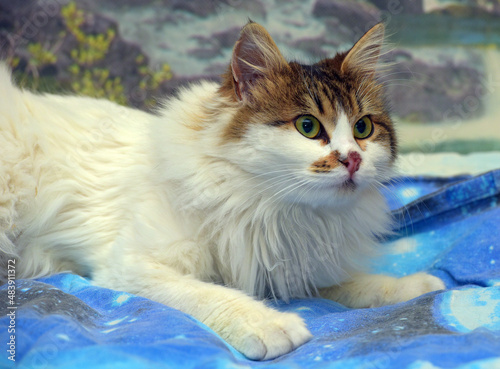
(342, 138)
(160, 205)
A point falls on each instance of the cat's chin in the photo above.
(348, 186)
(335, 194)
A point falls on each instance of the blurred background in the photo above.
(444, 86)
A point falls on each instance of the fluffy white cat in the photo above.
(265, 185)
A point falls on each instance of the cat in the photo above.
(266, 185)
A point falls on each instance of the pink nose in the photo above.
(352, 162)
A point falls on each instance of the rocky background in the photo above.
(135, 51)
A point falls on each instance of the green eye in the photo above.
(308, 126)
(363, 128)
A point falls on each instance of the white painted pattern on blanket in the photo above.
(469, 309)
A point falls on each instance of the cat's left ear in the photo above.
(255, 56)
(364, 55)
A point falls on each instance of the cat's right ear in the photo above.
(255, 55)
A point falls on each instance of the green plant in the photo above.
(151, 80)
(95, 82)
(40, 56)
(90, 80)
(91, 48)
(87, 72)
(87, 78)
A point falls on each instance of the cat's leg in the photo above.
(366, 290)
(254, 329)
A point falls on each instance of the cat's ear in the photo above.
(255, 55)
(364, 55)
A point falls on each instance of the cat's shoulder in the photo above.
(191, 102)
(194, 92)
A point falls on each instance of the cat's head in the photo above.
(316, 133)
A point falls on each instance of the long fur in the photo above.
(209, 190)
(86, 155)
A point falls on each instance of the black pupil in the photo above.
(361, 126)
(307, 125)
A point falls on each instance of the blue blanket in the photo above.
(448, 227)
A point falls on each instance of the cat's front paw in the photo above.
(266, 334)
(415, 285)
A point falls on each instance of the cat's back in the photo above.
(66, 136)
(65, 120)
(60, 146)
(66, 161)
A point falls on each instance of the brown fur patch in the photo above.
(289, 90)
(326, 164)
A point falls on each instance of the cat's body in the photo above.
(223, 187)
